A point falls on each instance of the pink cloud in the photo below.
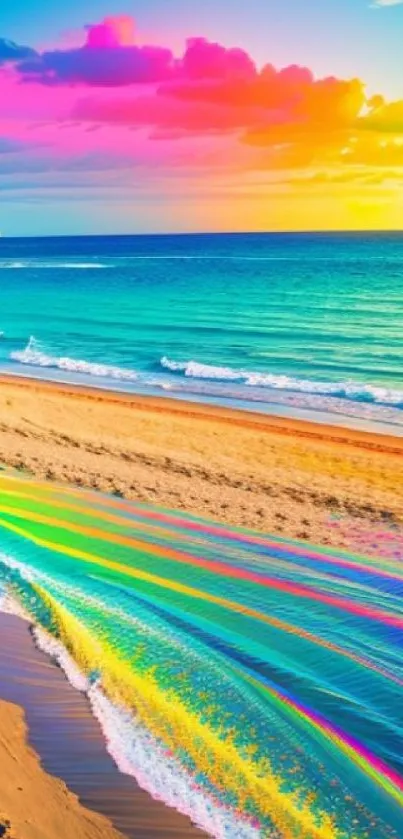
(167, 112)
(206, 60)
(111, 33)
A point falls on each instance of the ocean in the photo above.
(304, 325)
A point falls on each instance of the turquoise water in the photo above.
(310, 325)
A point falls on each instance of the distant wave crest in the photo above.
(34, 355)
(356, 391)
(13, 264)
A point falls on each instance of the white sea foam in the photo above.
(138, 754)
(10, 606)
(14, 264)
(34, 355)
(356, 391)
(8, 603)
(59, 654)
(199, 375)
(135, 751)
(28, 574)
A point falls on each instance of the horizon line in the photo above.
(201, 233)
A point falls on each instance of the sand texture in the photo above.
(34, 805)
(282, 476)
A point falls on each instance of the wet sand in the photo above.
(70, 743)
(277, 475)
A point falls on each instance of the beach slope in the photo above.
(277, 475)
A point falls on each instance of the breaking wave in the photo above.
(219, 382)
(13, 264)
(135, 751)
(356, 391)
(138, 754)
(33, 355)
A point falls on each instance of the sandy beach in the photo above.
(278, 475)
(33, 804)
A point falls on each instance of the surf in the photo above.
(33, 355)
(355, 391)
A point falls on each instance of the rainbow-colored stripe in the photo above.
(268, 672)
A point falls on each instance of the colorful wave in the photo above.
(253, 683)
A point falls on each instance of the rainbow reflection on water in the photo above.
(253, 683)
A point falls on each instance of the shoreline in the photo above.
(21, 770)
(234, 416)
(282, 404)
(53, 756)
(49, 808)
(282, 476)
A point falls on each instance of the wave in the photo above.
(356, 391)
(135, 751)
(34, 356)
(213, 380)
(16, 264)
(138, 754)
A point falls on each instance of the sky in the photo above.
(125, 116)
